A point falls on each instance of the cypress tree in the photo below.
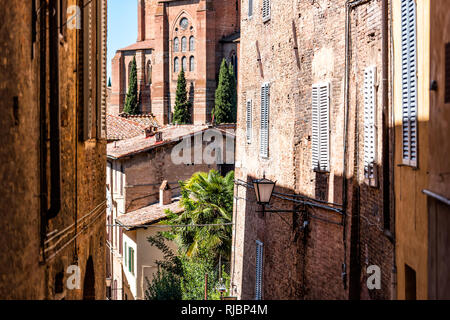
(233, 117)
(225, 104)
(109, 82)
(181, 113)
(131, 101)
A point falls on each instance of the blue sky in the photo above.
(122, 26)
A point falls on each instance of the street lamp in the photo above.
(263, 189)
(221, 288)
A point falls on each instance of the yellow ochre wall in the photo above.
(410, 203)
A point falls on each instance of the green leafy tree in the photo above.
(183, 278)
(131, 101)
(207, 198)
(182, 108)
(226, 96)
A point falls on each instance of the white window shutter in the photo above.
(264, 134)
(249, 121)
(369, 121)
(266, 10)
(409, 82)
(250, 8)
(259, 270)
(321, 127)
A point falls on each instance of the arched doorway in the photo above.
(89, 281)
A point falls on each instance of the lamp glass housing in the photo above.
(263, 189)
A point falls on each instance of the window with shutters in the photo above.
(266, 10)
(409, 82)
(370, 136)
(321, 127)
(249, 120)
(264, 126)
(250, 8)
(93, 70)
(259, 270)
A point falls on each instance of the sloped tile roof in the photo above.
(140, 45)
(119, 128)
(138, 144)
(149, 215)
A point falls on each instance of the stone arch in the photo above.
(127, 84)
(192, 63)
(89, 280)
(183, 14)
(148, 72)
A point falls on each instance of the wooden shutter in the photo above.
(259, 270)
(320, 127)
(266, 10)
(249, 121)
(409, 82)
(265, 105)
(369, 121)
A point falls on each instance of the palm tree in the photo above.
(208, 200)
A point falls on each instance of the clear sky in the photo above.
(122, 26)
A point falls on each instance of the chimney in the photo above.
(149, 132)
(165, 194)
(159, 136)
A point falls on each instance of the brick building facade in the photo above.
(313, 116)
(136, 169)
(53, 91)
(194, 35)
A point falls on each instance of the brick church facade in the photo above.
(173, 34)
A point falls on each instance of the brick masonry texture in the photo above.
(302, 44)
(24, 272)
(210, 22)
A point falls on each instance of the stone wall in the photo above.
(302, 44)
(37, 251)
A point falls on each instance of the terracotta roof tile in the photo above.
(149, 215)
(140, 45)
(123, 148)
(119, 128)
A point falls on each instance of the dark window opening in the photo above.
(447, 73)
(410, 283)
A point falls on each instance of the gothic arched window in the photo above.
(184, 63)
(192, 43)
(176, 45)
(176, 65)
(183, 44)
(191, 63)
(149, 72)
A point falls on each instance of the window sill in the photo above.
(321, 171)
(266, 20)
(413, 167)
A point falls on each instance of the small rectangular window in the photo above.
(321, 127)
(266, 10)
(370, 136)
(264, 125)
(409, 82)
